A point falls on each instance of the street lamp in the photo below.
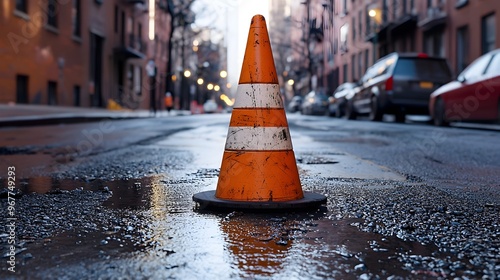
(375, 15)
(223, 74)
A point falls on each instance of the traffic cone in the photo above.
(258, 168)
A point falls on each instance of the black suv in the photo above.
(399, 84)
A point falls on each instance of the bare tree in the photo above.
(181, 16)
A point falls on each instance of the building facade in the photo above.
(83, 53)
(355, 33)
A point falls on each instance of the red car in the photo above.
(474, 96)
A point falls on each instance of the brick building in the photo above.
(82, 53)
(357, 32)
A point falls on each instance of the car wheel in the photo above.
(375, 112)
(400, 117)
(498, 114)
(350, 111)
(439, 113)
(338, 112)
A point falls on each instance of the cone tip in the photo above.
(258, 21)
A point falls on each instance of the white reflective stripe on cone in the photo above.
(258, 138)
(258, 96)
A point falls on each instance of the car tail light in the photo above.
(389, 83)
(422, 55)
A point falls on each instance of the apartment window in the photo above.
(360, 64)
(461, 3)
(139, 37)
(22, 89)
(52, 92)
(367, 21)
(434, 43)
(76, 15)
(360, 24)
(76, 95)
(52, 13)
(394, 9)
(384, 9)
(353, 29)
(367, 53)
(353, 66)
(344, 72)
(488, 33)
(22, 6)
(462, 48)
(344, 31)
(116, 19)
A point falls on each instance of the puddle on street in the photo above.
(179, 242)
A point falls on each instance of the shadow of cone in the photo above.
(258, 170)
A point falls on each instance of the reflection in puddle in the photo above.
(159, 235)
(258, 247)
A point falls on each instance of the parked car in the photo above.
(210, 106)
(315, 103)
(295, 103)
(338, 100)
(399, 84)
(474, 96)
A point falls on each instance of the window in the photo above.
(22, 6)
(394, 9)
(353, 67)
(116, 20)
(139, 37)
(353, 29)
(76, 16)
(52, 92)
(360, 24)
(462, 48)
(344, 30)
(344, 72)
(434, 43)
(488, 33)
(52, 13)
(76, 95)
(494, 68)
(360, 64)
(384, 9)
(22, 89)
(423, 69)
(344, 7)
(461, 3)
(476, 69)
(366, 59)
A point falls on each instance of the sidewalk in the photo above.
(31, 115)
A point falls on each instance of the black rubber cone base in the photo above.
(207, 200)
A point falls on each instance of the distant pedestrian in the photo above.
(169, 103)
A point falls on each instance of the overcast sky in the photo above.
(232, 18)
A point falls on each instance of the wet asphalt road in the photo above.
(112, 200)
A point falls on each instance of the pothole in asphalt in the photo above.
(149, 222)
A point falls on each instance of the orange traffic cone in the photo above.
(258, 168)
